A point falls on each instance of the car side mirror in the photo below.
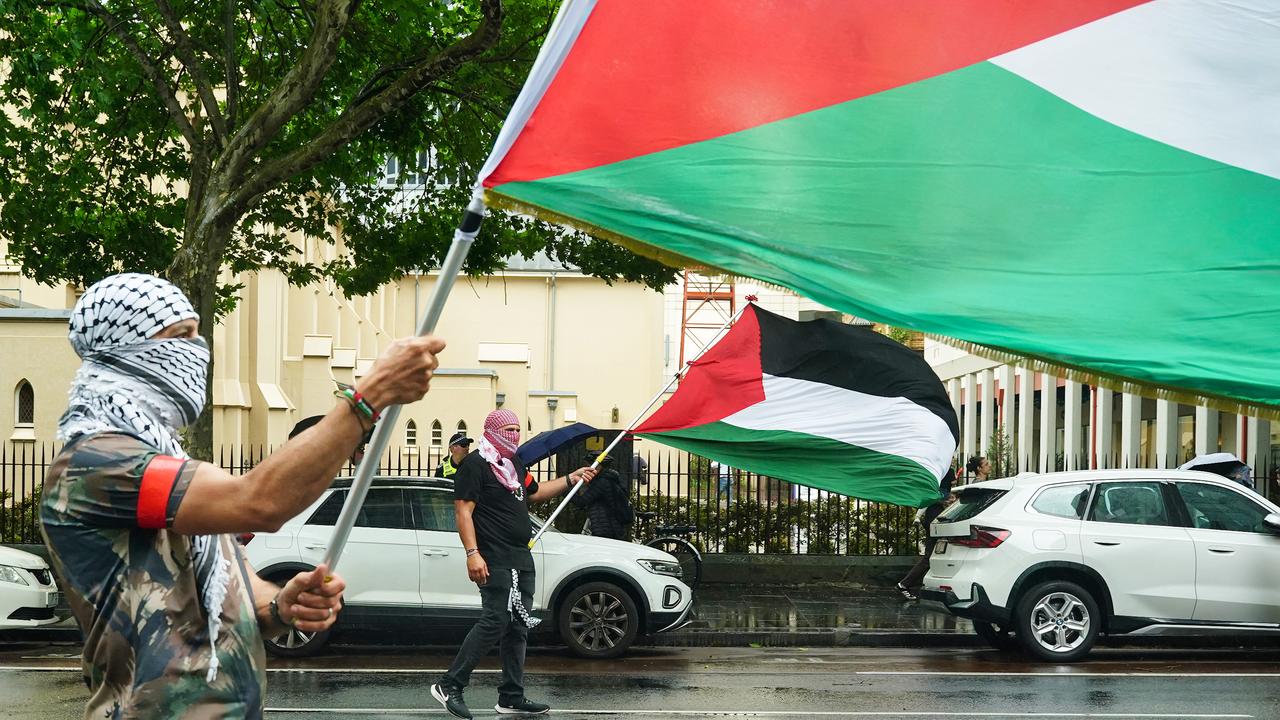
(1272, 521)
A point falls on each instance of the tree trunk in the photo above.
(195, 271)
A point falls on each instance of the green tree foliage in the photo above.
(20, 519)
(1000, 453)
(183, 137)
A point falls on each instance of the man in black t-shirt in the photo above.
(492, 493)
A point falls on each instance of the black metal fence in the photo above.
(730, 511)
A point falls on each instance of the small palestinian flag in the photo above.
(819, 403)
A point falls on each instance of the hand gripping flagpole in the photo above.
(631, 426)
(560, 38)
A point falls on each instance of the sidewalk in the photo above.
(815, 615)
(810, 615)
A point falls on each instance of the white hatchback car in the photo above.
(1048, 562)
(405, 569)
(28, 592)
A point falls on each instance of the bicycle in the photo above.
(673, 539)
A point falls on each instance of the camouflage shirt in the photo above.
(108, 502)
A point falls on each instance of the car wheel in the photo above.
(997, 636)
(1058, 621)
(294, 643)
(598, 620)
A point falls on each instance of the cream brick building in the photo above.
(541, 339)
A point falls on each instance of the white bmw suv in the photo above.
(405, 569)
(1048, 562)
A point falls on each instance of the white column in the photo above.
(1004, 376)
(970, 433)
(1130, 429)
(1048, 422)
(1259, 454)
(1071, 426)
(1026, 421)
(1229, 426)
(1166, 434)
(1106, 423)
(987, 421)
(953, 392)
(1206, 430)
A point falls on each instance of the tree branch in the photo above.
(187, 56)
(360, 117)
(232, 64)
(150, 69)
(295, 90)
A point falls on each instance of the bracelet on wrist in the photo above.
(365, 425)
(359, 404)
(473, 551)
(275, 611)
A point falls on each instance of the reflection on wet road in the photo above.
(706, 682)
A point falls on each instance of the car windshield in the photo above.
(969, 504)
(538, 522)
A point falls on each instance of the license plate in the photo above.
(51, 599)
(940, 548)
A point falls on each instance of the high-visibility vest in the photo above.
(447, 467)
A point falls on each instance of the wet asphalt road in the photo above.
(41, 681)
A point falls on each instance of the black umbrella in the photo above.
(545, 444)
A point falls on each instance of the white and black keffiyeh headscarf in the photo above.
(148, 388)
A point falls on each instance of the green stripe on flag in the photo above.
(809, 460)
(1115, 253)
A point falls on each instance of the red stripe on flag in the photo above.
(724, 380)
(650, 76)
(157, 484)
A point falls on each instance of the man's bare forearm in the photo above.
(291, 478)
(466, 528)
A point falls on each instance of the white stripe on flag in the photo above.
(891, 425)
(1200, 75)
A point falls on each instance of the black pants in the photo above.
(496, 626)
(915, 577)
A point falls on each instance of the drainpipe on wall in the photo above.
(551, 347)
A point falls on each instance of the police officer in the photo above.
(459, 446)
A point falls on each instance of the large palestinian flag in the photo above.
(1092, 184)
(832, 406)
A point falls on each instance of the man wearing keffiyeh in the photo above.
(492, 493)
(139, 533)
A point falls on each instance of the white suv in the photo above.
(405, 569)
(1050, 561)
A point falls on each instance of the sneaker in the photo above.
(906, 592)
(451, 699)
(523, 706)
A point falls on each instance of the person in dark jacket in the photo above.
(908, 586)
(607, 505)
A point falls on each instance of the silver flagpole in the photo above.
(560, 38)
(634, 422)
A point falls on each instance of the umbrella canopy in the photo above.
(545, 444)
(1225, 464)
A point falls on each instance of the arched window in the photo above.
(437, 433)
(25, 401)
(411, 434)
(462, 426)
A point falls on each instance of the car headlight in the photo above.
(662, 567)
(11, 575)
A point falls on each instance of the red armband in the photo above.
(157, 484)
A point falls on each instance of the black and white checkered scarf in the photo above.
(148, 388)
